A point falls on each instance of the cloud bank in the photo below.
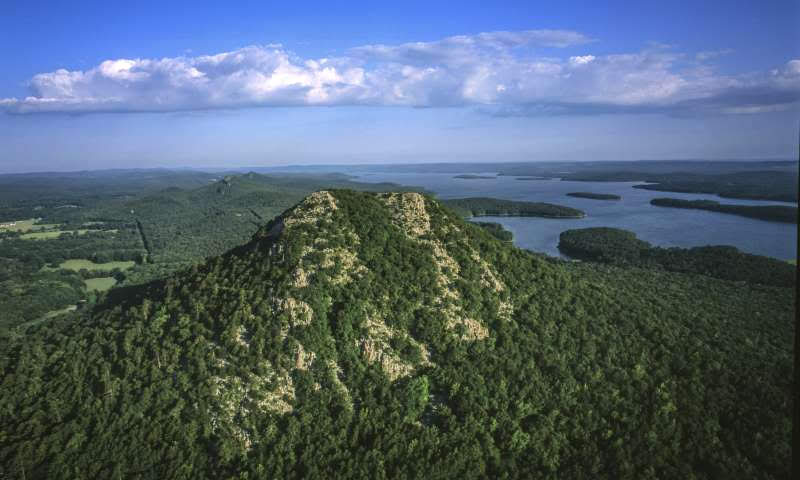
(503, 73)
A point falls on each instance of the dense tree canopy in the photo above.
(496, 230)
(621, 247)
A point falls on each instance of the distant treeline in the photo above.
(483, 206)
(775, 213)
(753, 180)
(621, 247)
(595, 196)
(781, 186)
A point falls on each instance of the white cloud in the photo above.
(505, 72)
(581, 60)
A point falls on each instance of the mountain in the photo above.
(379, 335)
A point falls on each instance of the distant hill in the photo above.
(379, 335)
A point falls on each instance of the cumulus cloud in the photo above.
(505, 73)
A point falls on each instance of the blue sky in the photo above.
(96, 85)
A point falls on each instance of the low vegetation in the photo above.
(83, 264)
(99, 284)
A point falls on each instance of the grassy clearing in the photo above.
(19, 225)
(44, 226)
(100, 284)
(27, 225)
(56, 313)
(90, 265)
(49, 234)
(40, 235)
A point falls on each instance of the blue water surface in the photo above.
(662, 226)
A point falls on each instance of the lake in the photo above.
(665, 227)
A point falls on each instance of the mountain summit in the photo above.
(379, 335)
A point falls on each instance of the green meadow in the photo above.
(78, 264)
(100, 284)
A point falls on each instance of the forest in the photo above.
(496, 230)
(483, 207)
(363, 335)
(156, 221)
(775, 213)
(620, 247)
(767, 185)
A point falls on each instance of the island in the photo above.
(761, 180)
(619, 247)
(475, 177)
(595, 196)
(484, 206)
(533, 178)
(775, 213)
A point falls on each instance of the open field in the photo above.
(44, 226)
(90, 265)
(26, 225)
(56, 313)
(17, 225)
(49, 234)
(100, 284)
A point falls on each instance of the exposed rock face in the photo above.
(237, 397)
(319, 251)
(376, 349)
(300, 313)
(410, 213)
(315, 207)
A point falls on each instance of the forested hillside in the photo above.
(363, 335)
(65, 231)
(621, 247)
